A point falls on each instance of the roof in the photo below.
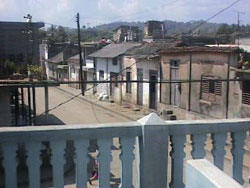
(113, 50)
(199, 49)
(148, 50)
(57, 58)
(244, 47)
(75, 58)
(20, 25)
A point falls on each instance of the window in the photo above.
(101, 75)
(211, 90)
(174, 63)
(114, 61)
(246, 92)
(128, 83)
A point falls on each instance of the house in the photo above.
(88, 69)
(57, 62)
(142, 64)
(108, 66)
(126, 33)
(208, 96)
(74, 70)
(154, 30)
(58, 69)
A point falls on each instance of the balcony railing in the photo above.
(150, 137)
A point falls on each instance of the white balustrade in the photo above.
(10, 164)
(58, 150)
(238, 141)
(152, 135)
(126, 156)
(218, 151)
(34, 163)
(81, 162)
(104, 160)
(198, 143)
(177, 156)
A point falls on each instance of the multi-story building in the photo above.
(19, 41)
(154, 30)
(126, 33)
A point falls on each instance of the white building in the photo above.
(109, 65)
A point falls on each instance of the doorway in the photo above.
(152, 89)
(140, 87)
(175, 87)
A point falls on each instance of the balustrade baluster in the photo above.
(58, 150)
(104, 160)
(198, 146)
(238, 141)
(10, 164)
(81, 162)
(218, 151)
(177, 155)
(127, 157)
(34, 163)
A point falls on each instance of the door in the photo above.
(175, 87)
(140, 87)
(113, 82)
(152, 89)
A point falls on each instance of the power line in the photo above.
(218, 13)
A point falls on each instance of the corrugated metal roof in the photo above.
(148, 50)
(114, 50)
(57, 58)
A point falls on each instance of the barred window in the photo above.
(246, 92)
(210, 88)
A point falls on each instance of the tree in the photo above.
(225, 29)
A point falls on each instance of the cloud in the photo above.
(104, 11)
(118, 9)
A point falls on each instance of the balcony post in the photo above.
(153, 152)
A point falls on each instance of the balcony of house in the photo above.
(148, 153)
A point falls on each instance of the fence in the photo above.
(157, 144)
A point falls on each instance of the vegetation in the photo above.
(229, 29)
(35, 71)
(61, 34)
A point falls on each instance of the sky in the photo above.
(95, 12)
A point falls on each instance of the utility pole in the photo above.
(238, 24)
(80, 53)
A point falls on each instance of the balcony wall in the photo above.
(151, 142)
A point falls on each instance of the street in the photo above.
(77, 111)
(81, 111)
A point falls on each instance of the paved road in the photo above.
(76, 111)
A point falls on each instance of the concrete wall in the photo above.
(5, 113)
(236, 108)
(202, 173)
(146, 66)
(206, 64)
